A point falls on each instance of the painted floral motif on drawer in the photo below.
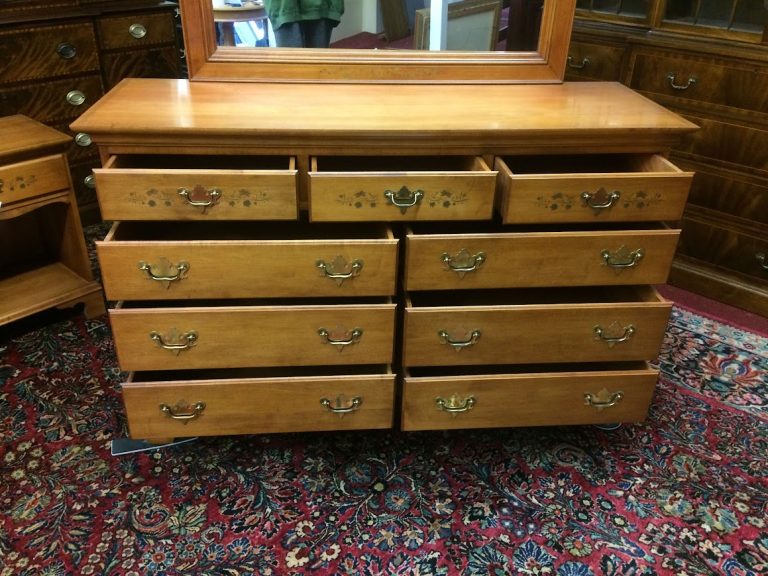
(154, 198)
(442, 199)
(565, 201)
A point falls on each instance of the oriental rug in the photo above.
(683, 493)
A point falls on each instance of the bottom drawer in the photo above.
(578, 394)
(169, 405)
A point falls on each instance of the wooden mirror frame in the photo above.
(207, 61)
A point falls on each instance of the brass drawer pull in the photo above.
(463, 262)
(592, 200)
(138, 31)
(337, 407)
(603, 399)
(75, 97)
(329, 269)
(672, 78)
(66, 50)
(629, 331)
(83, 139)
(584, 63)
(173, 412)
(185, 341)
(353, 338)
(181, 269)
(459, 344)
(404, 198)
(454, 406)
(214, 194)
(763, 260)
(621, 260)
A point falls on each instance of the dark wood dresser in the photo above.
(59, 57)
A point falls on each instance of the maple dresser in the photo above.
(309, 257)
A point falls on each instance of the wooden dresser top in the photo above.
(583, 116)
(22, 137)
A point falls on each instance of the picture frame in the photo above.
(472, 25)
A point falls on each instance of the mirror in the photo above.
(209, 57)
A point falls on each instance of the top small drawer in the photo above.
(400, 189)
(705, 79)
(32, 178)
(594, 188)
(136, 30)
(197, 188)
(35, 52)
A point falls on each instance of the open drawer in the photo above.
(176, 336)
(400, 188)
(438, 399)
(178, 260)
(495, 257)
(213, 403)
(170, 187)
(534, 326)
(590, 188)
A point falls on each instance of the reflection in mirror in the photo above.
(456, 25)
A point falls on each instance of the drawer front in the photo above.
(591, 189)
(188, 194)
(136, 30)
(407, 195)
(728, 247)
(49, 102)
(727, 83)
(36, 52)
(524, 334)
(166, 270)
(158, 62)
(258, 405)
(728, 145)
(32, 178)
(591, 61)
(253, 336)
(536, 399)
(516, 260)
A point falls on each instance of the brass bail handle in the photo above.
(763, 259)
(337, 408)
(459, 344)
(591, 202)
(328, 269)
(181, 267)
(184, 417)
(454, 406)
(629, 331)
(354, 337)
(188, 340)
(213, 194)
(633, 259)
(584, 63)
(459, 265)
(404, 198)
(672, 79)
(612, 400)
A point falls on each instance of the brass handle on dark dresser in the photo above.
(330, 270)
(763, 260)
(463, 262)
(459, 344)
(172, 412)
(592, 200)
(603, 399)
(454, 406)
(353, 338)
(572, 64)
(337, 408)
(138, 31)
(214, 194)
(75, 97)
(672, 78)
(181, 270)
(66, 50)
(186, 341)
(632, 259)
(629, 331)
(83, 139)
(404, 198)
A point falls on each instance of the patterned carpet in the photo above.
(684, 493)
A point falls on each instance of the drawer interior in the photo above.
(255, 373)
(398, 164)
(278, 303)
(589, 164)
(212, 231)
(201, 162)
(535, 296)
(516, 369)
(496, 227)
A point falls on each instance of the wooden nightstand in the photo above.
(43, 260)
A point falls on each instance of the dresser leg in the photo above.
(94, 305)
